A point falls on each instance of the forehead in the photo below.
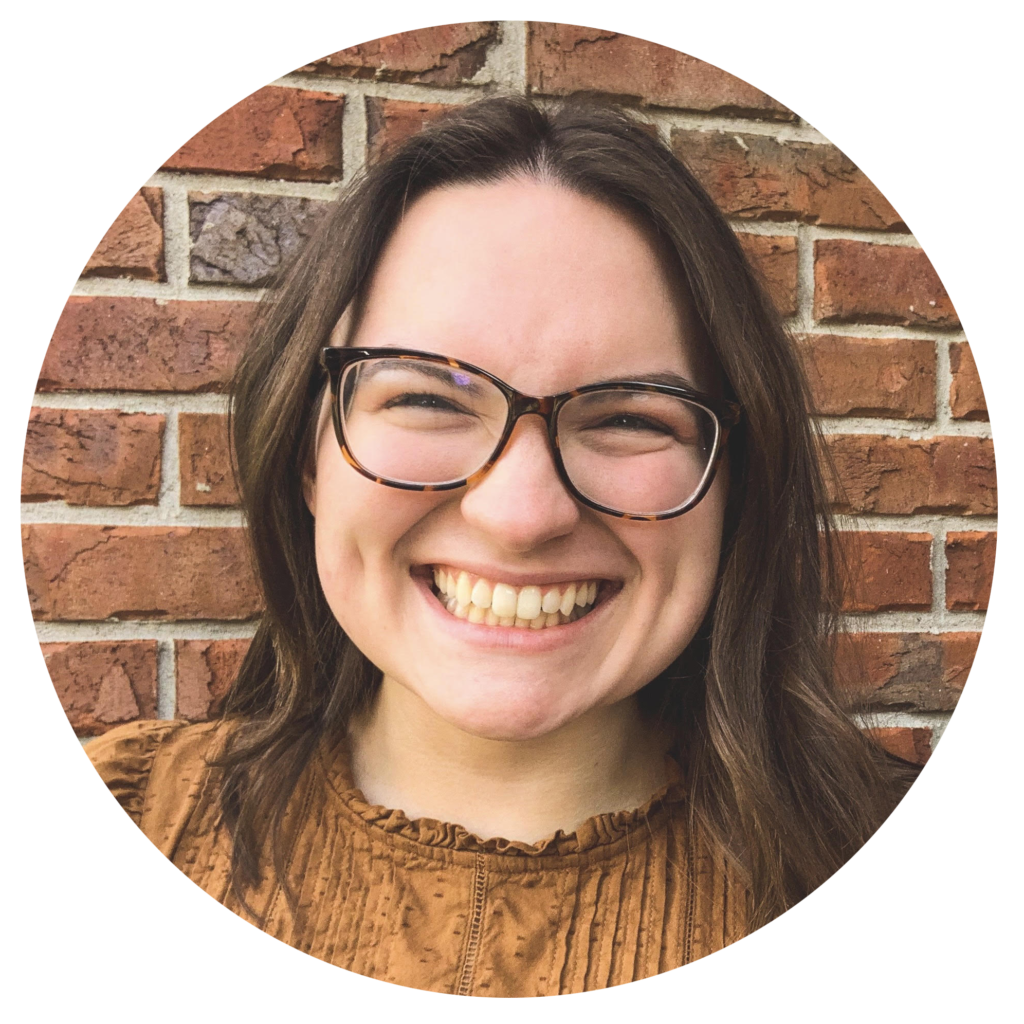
(537, 284)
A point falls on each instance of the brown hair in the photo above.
(778, 774)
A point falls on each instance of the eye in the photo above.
(626, 421)
(421, 400)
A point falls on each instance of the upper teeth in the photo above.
(501, 604)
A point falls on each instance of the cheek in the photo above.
(361, 527)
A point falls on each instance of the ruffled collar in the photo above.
(601, 832)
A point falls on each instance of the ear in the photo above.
(309, 490)
(323, 423)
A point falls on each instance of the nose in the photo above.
(521, 501)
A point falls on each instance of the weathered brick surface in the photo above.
(912, 744)
(441, 55)
(970, 561)
(390, 122)
(245, 238)
(92, 457)
(903, 476)
(561, 59)
(206, 476)
(775, 258)
(129, 344)
(887, 571)
(884, 284)
(966, 398)
(905, 671)
(134, 244)
(757, 177)
(274, 133)
(103, 683)
(205, 671)
(77, 572)
(891, 377)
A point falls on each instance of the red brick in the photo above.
(970, 562)
(903, 476)
(887, 571)
(390, 122)
(274, 133)
(892, 377)
(913, 671)
(966, 399)
(883, 284)
(129, 344)
(561, 59)
(775, 258)
(441, 55)
(77, 572)
(134, 245)
(92, 457)
(912, 744)
(103, 683)
(757, 177)
(206, 476)
(206, 670)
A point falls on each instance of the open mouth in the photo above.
(493, 603)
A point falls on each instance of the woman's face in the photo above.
(548, 291)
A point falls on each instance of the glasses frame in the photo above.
(725, 414)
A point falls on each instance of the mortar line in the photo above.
(133, 401)
(208, 181)
(804, 319)
(123, 287)
(505, 67)
(934, 720)
(939, 565)
(166, 679)
(354, 138)
(943, 380)
(168, 502)
(668, 118)
(918, 430)
(143, 629)
(792, 226)
(176, 235)
(166, 514)
(415, 92)
(912, 523)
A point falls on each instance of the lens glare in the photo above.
(409, 420)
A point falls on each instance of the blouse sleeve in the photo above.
(124, 759)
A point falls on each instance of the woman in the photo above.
(541, 700)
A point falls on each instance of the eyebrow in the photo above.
(435, 371)
(667, 377)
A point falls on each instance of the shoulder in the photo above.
(131, 757)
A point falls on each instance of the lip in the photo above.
(509, 638)
(517, 578)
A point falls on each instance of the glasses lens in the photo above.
(418, 422)
(638, 452)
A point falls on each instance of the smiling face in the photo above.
(548, 291)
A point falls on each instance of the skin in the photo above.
(513, 732)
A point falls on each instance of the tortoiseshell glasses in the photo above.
(424, 422)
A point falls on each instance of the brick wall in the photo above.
(133, 550)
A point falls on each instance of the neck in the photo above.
(406, 757)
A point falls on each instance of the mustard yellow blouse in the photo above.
(429, 905)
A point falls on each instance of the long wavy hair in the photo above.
(779, 777)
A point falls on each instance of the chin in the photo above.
(502, 711)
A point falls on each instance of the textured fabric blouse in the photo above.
(427, 904)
